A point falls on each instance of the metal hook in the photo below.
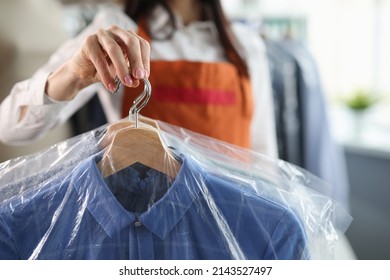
(145, 96)
(117, 85)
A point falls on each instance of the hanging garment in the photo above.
(319, 152)
(216, 207)
(285, 88)
(79, 217)
(214, 99)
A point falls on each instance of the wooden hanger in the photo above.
(113, 128)
(128, 143)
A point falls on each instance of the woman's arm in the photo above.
(72, 75)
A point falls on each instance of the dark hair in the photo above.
(138, 9)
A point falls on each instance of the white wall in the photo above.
(30, 30)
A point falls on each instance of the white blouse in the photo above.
(197, 41)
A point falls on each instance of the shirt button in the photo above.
(137, 223)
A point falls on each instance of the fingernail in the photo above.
(128, 80)
(111, 87)
(139, 73)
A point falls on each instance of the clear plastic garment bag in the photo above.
(144, 189)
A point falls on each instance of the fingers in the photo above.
(114, 56)
(118, 52)
(145, 55)
(98, 58)
(137, 51)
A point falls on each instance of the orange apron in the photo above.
(209, 98)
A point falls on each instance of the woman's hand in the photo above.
(102, 56)
(112, 52)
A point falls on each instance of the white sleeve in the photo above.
(43, 113)
(263, 129)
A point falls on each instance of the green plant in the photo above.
(360, 100)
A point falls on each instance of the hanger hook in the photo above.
(145, 96)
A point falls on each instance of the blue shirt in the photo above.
(322, 155)
(141, 214)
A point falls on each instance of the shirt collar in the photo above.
(160, 24)
(160, 219)
(168, 211)
(95, 194)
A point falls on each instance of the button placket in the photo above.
(145, 241)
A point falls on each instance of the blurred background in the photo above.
(347, 41)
